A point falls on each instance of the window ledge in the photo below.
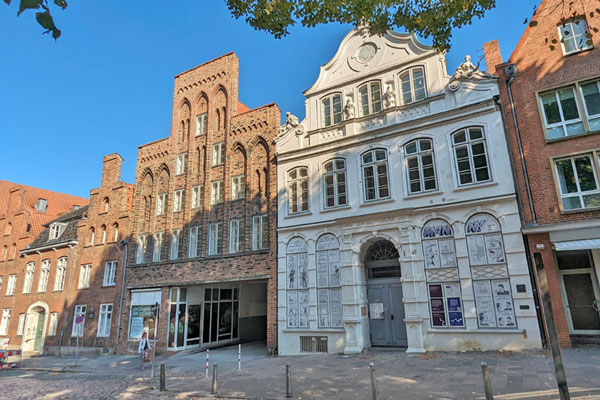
(571, 137)
(480, 330)
(103, 212)
(339, 208)
(423, 194)
(376, 202)
(474, 186)
(579, 210)
(300, 214)
(109, 286)
(578, 51)
(314, 331)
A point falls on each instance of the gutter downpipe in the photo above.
(65, 312)
(125, 243)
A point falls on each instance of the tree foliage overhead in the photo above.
(43, 17)
(428, 18)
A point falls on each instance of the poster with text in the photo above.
(431, 254)
(334, 268)
(323, 307)
(494, 248)
(476, 250)
(335, 299)
(505, 313)
(447, 253)
(292, 267)
(484, 302)
(303, 309)
(452, 289)
(292, 309)
(322, 271)
(302, 270)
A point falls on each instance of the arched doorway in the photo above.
(35, 327)
(384, 293)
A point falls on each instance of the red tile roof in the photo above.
(242, 108)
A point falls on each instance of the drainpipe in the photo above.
(65, 311)
(511, 71)
(125, 243)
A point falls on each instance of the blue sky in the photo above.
(106, 85)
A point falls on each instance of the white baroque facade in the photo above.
(398, 222)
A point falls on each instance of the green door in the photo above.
(38, 332)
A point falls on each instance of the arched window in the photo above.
(298, 190)
(14, 251)
(382, 261)
(116, 232)
(331, 109)
(61, 272)
(420, 167)
(491, 282)
(105, 205)
(369, 96)
(441, 270)
(8, 229)
(224, 116)
(334, 183)
(470, 155)
(29, 277)
(375, 174)
(5, 253)
(103, 234)
(412, 85)
(91, 237)
(329, 292)
(44, 273)
(297, 283)
(218, 119)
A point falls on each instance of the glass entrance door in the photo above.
(220, 319)
(177, 319)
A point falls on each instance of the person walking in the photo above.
(144, 349)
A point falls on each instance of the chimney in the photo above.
(493, 57)
(111, 170)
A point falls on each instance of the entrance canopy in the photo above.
(577, 245)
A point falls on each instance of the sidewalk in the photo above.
(515, 376)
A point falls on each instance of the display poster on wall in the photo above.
(292, 309)
(476, 250)
(327, 242)
(494, 248)
(323, 307)
(436, 298)
(505, 313)
(292, 269)
(142, 317)
(430, 249)
(455, 312)
(297, 245)
(322, 269)
(376, 311)
(302, 270)
(335, 299)
(447, 253)
(136, 327)
(303, 309)
(485, 304)
(334, 268)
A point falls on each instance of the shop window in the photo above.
(297, 283)
(143, 313)
(221, 314)
(491, 282)
(441, 269)
(329, 292)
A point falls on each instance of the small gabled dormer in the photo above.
(56, 229)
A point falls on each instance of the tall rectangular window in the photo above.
(238, 187)
(561, 112)
(61, 271)
(332, 109)
(260, 232)
(53, 327)
(470, 155)
(216, 192)
(104, 320)
(78, 328)
(197, 197)
(175, 247)
(578, 182)
(12, 283)
(334, 183)
(178, 200)
(201, 124)
(44, 273)
(215, 239)
(298, 190)
(195, 242)
(85, 272)
(375, 175)
(180, 162)
(5, 322)
(590, 91)
(237, 228)
(158, 244)
(412, 84)
(140, 251)
(420, 166)
(21, 325)
(110, 273)
(161, 203)
(218, 154)
(29, 277)
(574, 36)
(369, 98)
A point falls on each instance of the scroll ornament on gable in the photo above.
(467, 72)
(291, 124)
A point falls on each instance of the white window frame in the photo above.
(418, 156)
(563, 123)
(214, 233)
(5, 322)
(104, 320)
(178, 196)
(468, 144)
(201, 124)
(236, 235)
(216, 192)
(12, 285)
(140, 251)
(53, 326)
(161, 204)
(238, 187)
(194, 239)
(78, 310)
(197, 197)
(298, 198)
(335, 173)
(44, 275)
(21, 324)
(371, 101)
(157, 248)
(594, 159)
(579, 38)
(218, 154)
(180, 164)
(116, 232)
(61, 272)
(85, 273)
(110, 273)
(29, 273)
(103, 234)
(374, 165)
(330, 116)
(92, 237)
(410, 73)
(175, 244)
(260, 232)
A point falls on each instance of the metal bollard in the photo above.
(215, 382)
(162, 377)
(288, 382)
(487, 383)
(373, 382)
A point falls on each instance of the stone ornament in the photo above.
(389, 98)
(349, 109)
(291, 123)
(467, 70)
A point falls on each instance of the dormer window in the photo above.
(573, 36)
(41, 205)
(332, 109)
(369, 98)
(56, 230)
(412, 85)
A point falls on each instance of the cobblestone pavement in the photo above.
(515, 376)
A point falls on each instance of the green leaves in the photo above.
(44, 18)
(29, 5)
(46, 21)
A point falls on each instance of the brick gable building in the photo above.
(550, 89)
(204, 219)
